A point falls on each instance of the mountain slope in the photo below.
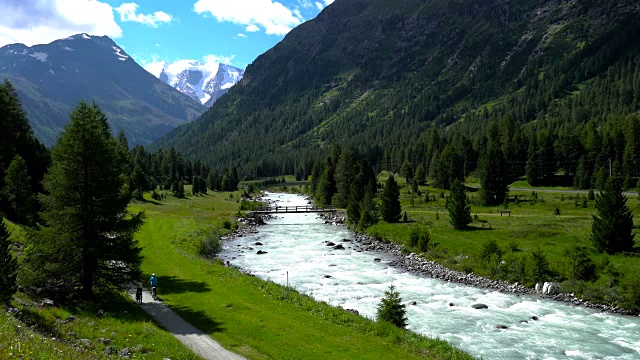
(51, 79)
(202, 82)
(376, 74)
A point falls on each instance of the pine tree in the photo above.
(407, 171)
(18, 190)
(368, 209)
(139, 181)
(459, 210)
(419, 176)
(611, 228)
(8, 267)
(390, 209)
(493, 177)
(391, 309)
(195, 186)
(326, 187)
(344, 175)
(89, 239)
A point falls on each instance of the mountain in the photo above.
(202, 82)
(379, 75)
(51, 79)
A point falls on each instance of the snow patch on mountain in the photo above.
(120, 54)
(40, 56)
(201, 81)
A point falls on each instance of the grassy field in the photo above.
(551, 221)
(37, 332)
(255, 318)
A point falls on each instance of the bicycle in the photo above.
(154, 293)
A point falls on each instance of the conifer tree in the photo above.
(459, 210)
(420, 175)
(18, 190)
(344, 175)
(139, 181)
(326, 187)
(8, 267)
(612, 226)
(390, 209)
(391, 309)
(368, 209)
(493, 177)
(89, 239)
(407, 171)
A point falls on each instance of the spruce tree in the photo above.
(459, 210)
(420, 176)
(8, 267)
(612, 226)
(344, 175)
(18, 190)
(89, 238)
(390, 209)
(368, 209)
(326, 187)
(493, 177)
(407, 171)
(391, 309)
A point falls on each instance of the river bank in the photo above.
(416, 264)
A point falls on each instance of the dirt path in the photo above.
(201, 343)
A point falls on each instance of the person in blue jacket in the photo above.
(153, 281)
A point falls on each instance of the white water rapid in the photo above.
(295, 244)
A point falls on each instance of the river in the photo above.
(295, 246)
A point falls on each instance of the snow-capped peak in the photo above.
(202, 81)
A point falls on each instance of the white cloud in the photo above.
(252, 28)
(34, 22)
(328, 2)
(242, 35)
(128, 12)
(274, 17)
(319, 6)
(305, 3)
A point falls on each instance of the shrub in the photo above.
(419, 238)
(391, 309)
(540, 266)
(581, 267)
(210, 245)
(226, 224)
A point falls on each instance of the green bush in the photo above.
(226, 224)
(210, 245)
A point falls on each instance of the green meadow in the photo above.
(550, 220)
(255, 318)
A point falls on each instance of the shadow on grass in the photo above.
(199, 319)
(154, 202)
(476, 228)
(176, 285)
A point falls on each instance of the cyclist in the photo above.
(153, 281)
(139, 292)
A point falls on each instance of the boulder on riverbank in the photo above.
(550, 288)
(260, 252)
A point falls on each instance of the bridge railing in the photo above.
(293, 209)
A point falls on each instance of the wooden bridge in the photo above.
(292, 209)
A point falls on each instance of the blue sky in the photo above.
(159, 32)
